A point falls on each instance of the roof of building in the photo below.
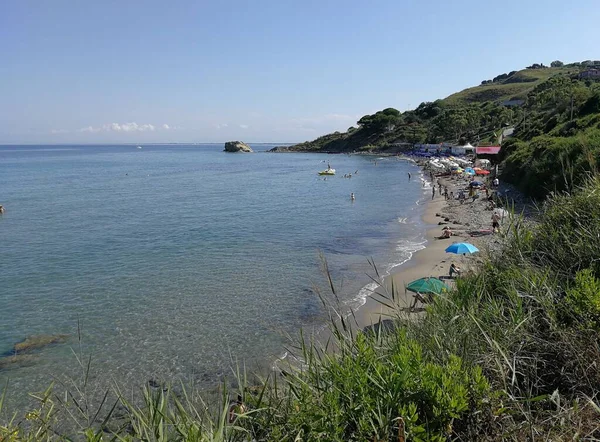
(490, 150)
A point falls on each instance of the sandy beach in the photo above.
(464, 220)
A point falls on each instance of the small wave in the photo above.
(407, 250)
(403, 220)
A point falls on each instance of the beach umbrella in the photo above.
(475, 184)
(461, 248)
(429, 285)
(482, 172)
(470, 171)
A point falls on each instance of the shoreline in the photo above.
(432, 260)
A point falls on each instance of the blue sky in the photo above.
(272, 71)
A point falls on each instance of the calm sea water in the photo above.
(174, 259)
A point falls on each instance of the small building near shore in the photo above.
(487, 150)
(467, 149)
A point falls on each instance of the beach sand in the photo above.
(432, 260)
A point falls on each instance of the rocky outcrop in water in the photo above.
(20, 355)
(38, 341)
(17, 361)
(237, 146)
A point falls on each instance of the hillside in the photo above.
(556, 121)
(514, 87)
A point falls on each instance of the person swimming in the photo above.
(352, 197)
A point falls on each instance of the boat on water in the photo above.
(328, 171)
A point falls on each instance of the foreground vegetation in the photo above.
(510, 354)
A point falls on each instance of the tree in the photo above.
(382, 120)
(557, 64)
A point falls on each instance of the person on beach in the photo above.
(236, 408)
(408, 176)
(495, 222)
(454, 270)
(446, 193)
(446, 233)
(496, 182)
(433, 192)
(461, 196)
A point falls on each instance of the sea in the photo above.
(180, 262)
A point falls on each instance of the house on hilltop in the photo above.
(590, 73)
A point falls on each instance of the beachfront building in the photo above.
(487, 150)
(435, 149)
(467, 149)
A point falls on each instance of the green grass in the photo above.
(515, 87)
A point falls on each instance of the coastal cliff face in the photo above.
(237, 146)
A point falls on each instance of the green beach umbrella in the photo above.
(429, 285)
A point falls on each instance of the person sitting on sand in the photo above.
(454, 270)
(446, 233)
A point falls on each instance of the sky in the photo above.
(152, 71)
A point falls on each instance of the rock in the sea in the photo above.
(16, 361)
(237, 146)
(37, 342)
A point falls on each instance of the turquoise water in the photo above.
(173, 258)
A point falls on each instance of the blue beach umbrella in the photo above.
(475, 184)
(470, 171)
(461, 248)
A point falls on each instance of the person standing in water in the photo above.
(408, 176)
(352, 196)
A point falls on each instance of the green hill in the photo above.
(515, 87)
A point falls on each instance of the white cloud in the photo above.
(59, 131)
(166, 126)
(90, 129)
(244, 126)
(128, 127)
(221, 126)
(122, 127)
